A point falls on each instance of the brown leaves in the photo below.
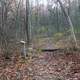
(62, 66)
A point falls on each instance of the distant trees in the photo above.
(50, 16)
(54, 17)
(45, 20)
(12, 24)
(4, 26)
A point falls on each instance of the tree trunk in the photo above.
(27, 21)
(70, 22)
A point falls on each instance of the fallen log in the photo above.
(51, 50)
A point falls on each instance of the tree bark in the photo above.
(27, 21)
(70, 22)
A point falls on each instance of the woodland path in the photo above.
(57, 67)
(46, 66)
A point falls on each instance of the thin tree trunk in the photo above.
(70, 22)
(27, 26)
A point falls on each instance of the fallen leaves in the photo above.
(58, 67)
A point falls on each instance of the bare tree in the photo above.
(27, 20)
(70, 22)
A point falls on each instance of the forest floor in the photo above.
(46, 66)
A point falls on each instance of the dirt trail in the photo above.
(45, 67)
(58, 67)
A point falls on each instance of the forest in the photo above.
(39, 39)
